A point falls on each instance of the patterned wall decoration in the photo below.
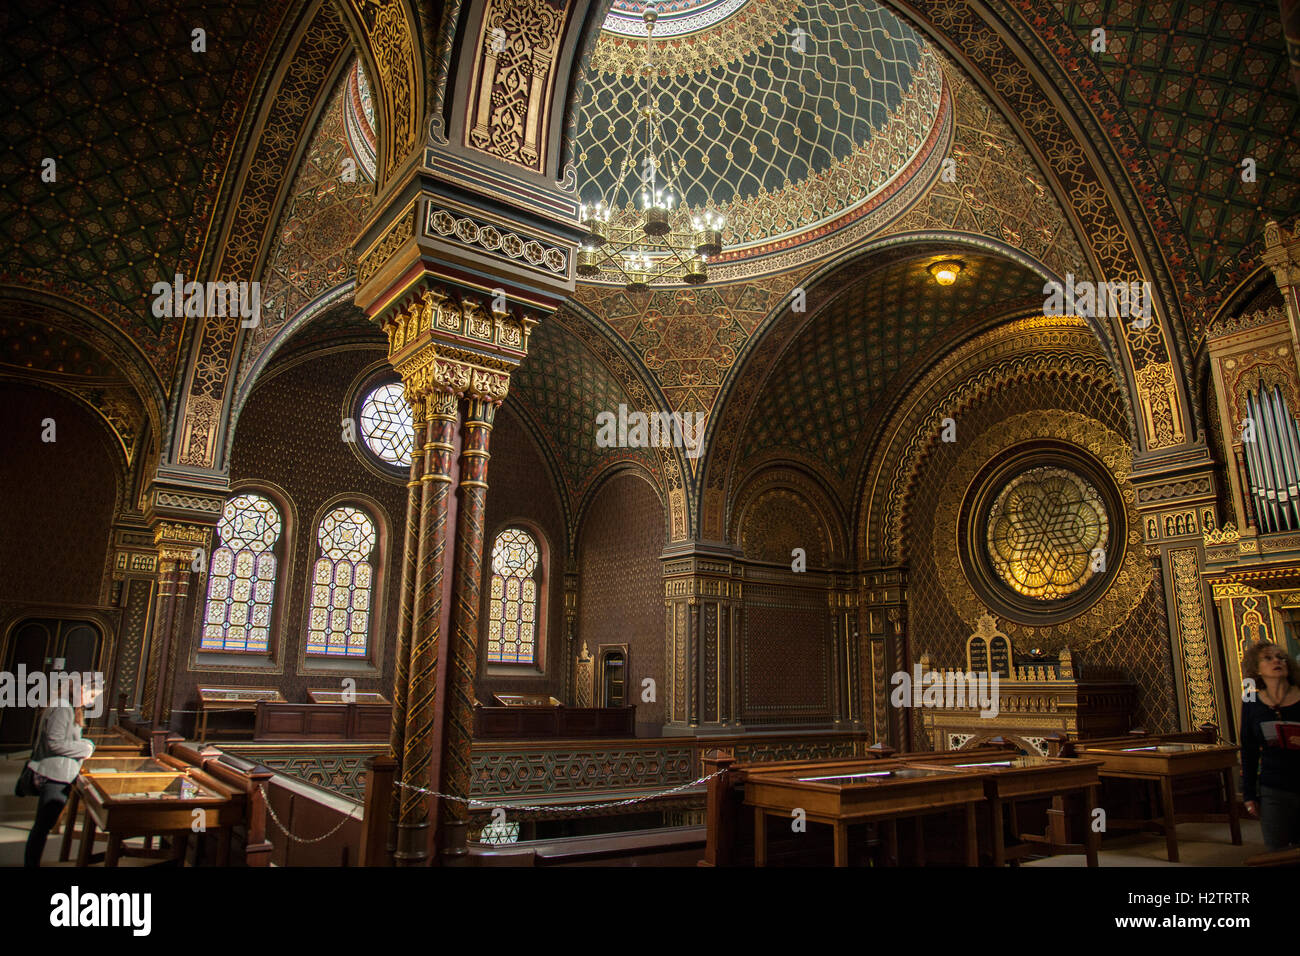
(787, 644)
(1131, 642)
(522, 487)
(39, 346)
(777, 523)
(251, 229)
(824, 392)
(135, 122)
(620, 597)
(689, 339)
(1023, 85)
(1022, 351)
(562, 387)
(510, 100)
(395, 49)
(136, 595)
(337, 767)
(790, 143)
(63, 491)
(998, 190)
(322, 216)
(293, 417)
(1131, 581)
(782, 508)
(499, 773)
(1139, 651)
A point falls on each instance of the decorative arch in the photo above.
(609, 473)
(788, 485)
(751, 376)
(395, 40)
(1032, 349)
(113, 342)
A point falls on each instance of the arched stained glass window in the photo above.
(386, 424)
(512, 613)
(342, 584)
(241, 577)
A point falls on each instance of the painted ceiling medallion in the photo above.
(835, 114)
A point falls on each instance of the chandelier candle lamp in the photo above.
(643, 232)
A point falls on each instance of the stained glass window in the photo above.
(386, 424)
(1042, 532)
(512, 611)
(342, 581)
(241, 577)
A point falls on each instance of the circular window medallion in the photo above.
(1045, 529)
(1042, 533)
(386, 425)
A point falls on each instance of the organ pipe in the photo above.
(1291, 443)
(1266, 504)
(1273, 460)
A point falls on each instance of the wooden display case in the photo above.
(151, 804)
(115, 740)
(1011, 780)
(1157, 766)
(843, 794)
(228, 700)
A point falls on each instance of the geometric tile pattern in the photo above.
(133, 118)
(822, 395)
(689, 338)
(312, 250)
(544, 771)
(1137, 649)
(776, 136)
(563, 387)
(1205, 83)
(997, 190)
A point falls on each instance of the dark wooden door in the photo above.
(44, 644)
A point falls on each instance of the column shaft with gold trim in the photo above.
(459, 708)
(448, 349)
(429, 619)
(180, 548)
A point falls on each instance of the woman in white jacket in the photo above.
(55, 762)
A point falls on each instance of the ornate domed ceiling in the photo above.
(806, 123)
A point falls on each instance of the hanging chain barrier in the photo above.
(565, 808)
(285, 830)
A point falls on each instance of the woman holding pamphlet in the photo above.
(1270, 743)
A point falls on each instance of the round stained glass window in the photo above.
(386, 425)
(1042, 533)
(1046, 531)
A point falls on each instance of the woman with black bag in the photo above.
(55, 762)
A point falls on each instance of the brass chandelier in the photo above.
(641, 233)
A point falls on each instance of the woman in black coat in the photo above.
(1270, 773)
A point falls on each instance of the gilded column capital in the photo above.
(456, 341)
(178, 542)
(1282, 253)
